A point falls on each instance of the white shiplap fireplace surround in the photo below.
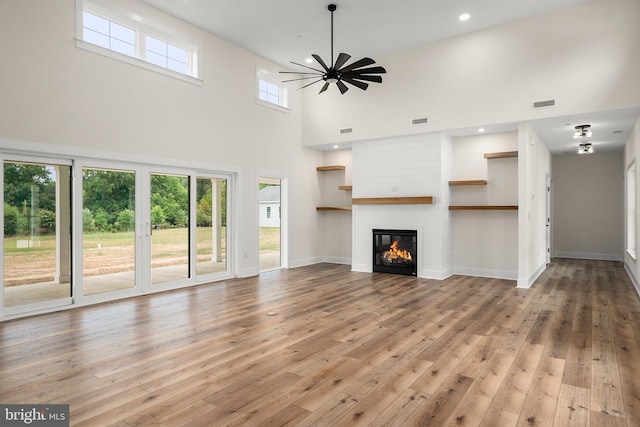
(419, 165)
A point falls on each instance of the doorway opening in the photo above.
(270, 222)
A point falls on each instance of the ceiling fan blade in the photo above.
(299, 72)
(319, 80)
(343, 87)
(371, 70)
(320, 61)
(359, 63)
(326, 85)
(376, 79)
(311, 68)
(342, 59)
(301, 78)
(356, 83)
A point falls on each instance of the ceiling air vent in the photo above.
(419, 121)
(544, 104)
(346, 130)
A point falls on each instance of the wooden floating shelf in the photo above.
(333, 208)
(469, 182)
(484, 208)
(501, 155)
(345, 187)
(421, 200)
(330, 168)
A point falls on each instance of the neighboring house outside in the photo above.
(269, 198)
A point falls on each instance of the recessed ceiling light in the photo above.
(336, 146)
(481, 130)
(309, 60)
(464, 17)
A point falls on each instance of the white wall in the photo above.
(631, 153)
(588, 206)
(70, 99)
(585, 56)
(484, 243)
(534, 165)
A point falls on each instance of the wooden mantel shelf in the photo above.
(469, 182)
(501, 155)
(330, 168)
(484, 208)
(333, 208)
(420, 200)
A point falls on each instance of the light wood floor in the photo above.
(344, 348)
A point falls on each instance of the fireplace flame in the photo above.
(394, 253)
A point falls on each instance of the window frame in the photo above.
(271, 77)
(132, 21)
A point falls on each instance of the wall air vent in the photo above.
(346, 130)
(544, 104)
(419, 121)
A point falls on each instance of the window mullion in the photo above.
(141, 45)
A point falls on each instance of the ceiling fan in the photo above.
(338, 73)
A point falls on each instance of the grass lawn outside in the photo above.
(113, 252)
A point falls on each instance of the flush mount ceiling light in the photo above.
(582, 131)
(585, 148)
(337, 72)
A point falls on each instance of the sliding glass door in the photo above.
(170, 222)
(37, 234)
(211, 225)
(90, 231)
(108, 230)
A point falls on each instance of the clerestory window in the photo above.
(114, 33)
(108, 34)
(270, 90)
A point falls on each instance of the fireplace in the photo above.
(395, 251)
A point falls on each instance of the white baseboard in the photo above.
(588, 255)
(435, 274)
(337, 260)
(248, 272)
(528, 282)
(488, 273)
(363, 268)
(634, 279)
(304, 261)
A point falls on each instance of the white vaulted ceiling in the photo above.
(285, 30)
(291, 30)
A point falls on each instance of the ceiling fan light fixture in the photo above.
(357, 73)
(582, 131)
(585, 148)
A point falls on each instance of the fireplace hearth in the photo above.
(395, 251)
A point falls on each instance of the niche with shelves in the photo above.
(482, 182)
(340, 187)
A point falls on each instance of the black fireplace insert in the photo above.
(395, 251)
